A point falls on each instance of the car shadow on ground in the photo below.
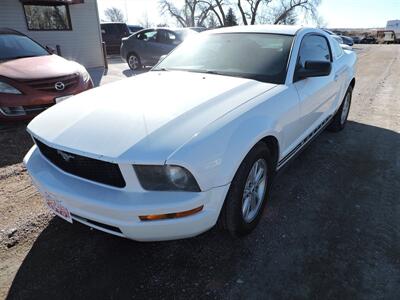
(15, 143)
(330, 230)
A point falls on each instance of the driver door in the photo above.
(168, 41)
(148, 46)
(317, 94)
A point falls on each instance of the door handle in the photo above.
(336, 77)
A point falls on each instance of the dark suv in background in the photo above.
(112, 34)
(135, 28)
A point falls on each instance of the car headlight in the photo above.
(85, 76)
(166, 178)
(8, 89)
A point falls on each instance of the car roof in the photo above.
(277, 29)
(118, 23)
(173, 28)
(9, 31)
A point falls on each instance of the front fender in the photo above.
(216, 153)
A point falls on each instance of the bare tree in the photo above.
(249, 10)
(144, 21)
(114, 14)
(217, 8)
(212, 22)
(287, 10)
(192, 13)
(276, 11)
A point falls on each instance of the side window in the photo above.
(167, 37)
(122, 29)
(112, 29)
(313, 47)
(108, 29)
(148, 36)
(171, 38)
(104, 29)
(336, 49)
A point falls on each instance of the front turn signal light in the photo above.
(171, 215)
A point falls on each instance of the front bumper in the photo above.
(116, 211)
(32, 102)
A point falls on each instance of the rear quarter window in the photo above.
(336, 49)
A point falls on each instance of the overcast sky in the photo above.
(336, 13)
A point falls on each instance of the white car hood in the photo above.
(142, 119)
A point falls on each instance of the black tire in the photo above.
(338, 123)
(134, 67)
(231, 218)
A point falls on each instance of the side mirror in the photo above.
(313, 69)
(51, 49)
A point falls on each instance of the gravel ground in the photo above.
(330, 231)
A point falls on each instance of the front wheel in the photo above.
(248, 192)
(134, 62)
(340, 119)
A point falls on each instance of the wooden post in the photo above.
(105, 55)
(58, 48)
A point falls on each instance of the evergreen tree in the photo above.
(231, 19)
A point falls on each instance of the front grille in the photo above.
(49, 84)
(88, 168)
(35, 109)
(15, 111)
(98, 224)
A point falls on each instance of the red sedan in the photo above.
(33, 79)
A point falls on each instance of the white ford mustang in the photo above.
(198, 139)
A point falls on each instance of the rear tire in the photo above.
(245, 201)
(134, 62)
(340, 119)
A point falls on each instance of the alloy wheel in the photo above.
(254, 191)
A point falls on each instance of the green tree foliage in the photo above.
(231, 19)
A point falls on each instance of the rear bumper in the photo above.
(116, 211)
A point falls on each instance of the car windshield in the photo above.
(258, 56)
(13, 46)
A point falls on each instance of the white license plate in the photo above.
(57, 207)
(61, 99)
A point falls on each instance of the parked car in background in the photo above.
(135, 28)
(112, 34)
(197, 140)
(145, 47)
(334, 35)
(356, 39)
(347, 40)
(198, 29)
(33, 79)
(368, 40)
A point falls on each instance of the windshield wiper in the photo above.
(21, 56)
(161, 69)
(213, 72)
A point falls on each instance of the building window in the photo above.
(47, 17)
